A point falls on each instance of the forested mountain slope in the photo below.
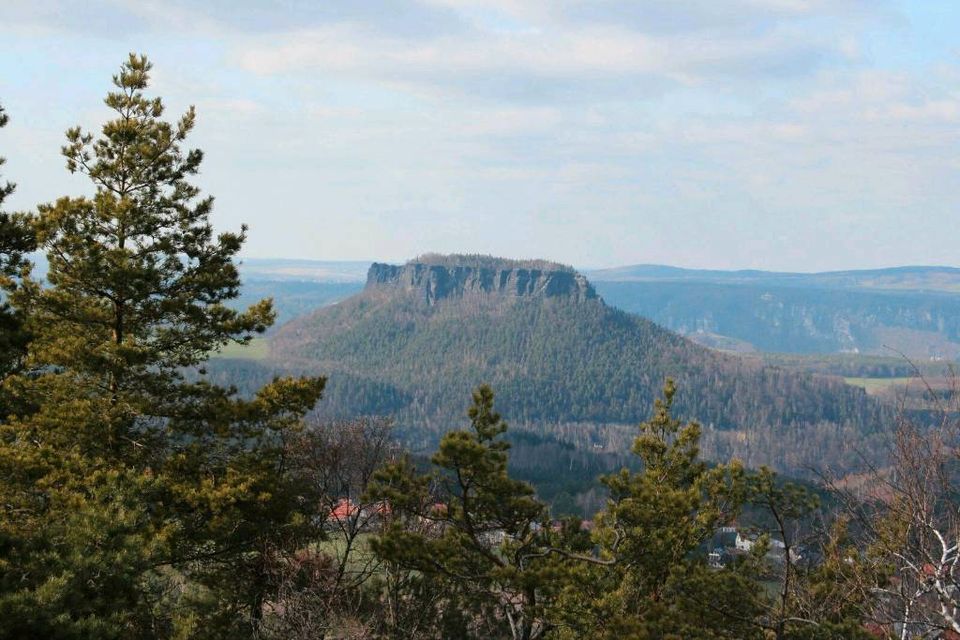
(905, 310)
(421, 335)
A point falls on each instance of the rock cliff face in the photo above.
(922, 325)
(437, 282)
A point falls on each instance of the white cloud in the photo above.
(583, 53)
(730, 133)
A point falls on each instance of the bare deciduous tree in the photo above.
(326, 588)
(908, 514)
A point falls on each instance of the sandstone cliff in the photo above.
(450, 280)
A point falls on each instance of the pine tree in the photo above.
(654, 584)
(144, 500)
(16, 240)
(485, 539)
(834, 598)
(14, 236)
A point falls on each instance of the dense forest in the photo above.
(139, 498)
(559, 359)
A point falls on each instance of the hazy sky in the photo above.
(776, 134)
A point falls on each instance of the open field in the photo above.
(875, 386)
(257, 349)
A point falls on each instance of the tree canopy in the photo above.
(121, 474)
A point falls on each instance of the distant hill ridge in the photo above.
(914, 277)
(436, 277)
(910, 277)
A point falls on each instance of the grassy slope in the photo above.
(877, 386)
(258, 349)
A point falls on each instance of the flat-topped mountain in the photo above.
(436, 278)
(420, 336)
(913, 310)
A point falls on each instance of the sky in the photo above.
(799, 135)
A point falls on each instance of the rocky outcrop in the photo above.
(440, 281)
